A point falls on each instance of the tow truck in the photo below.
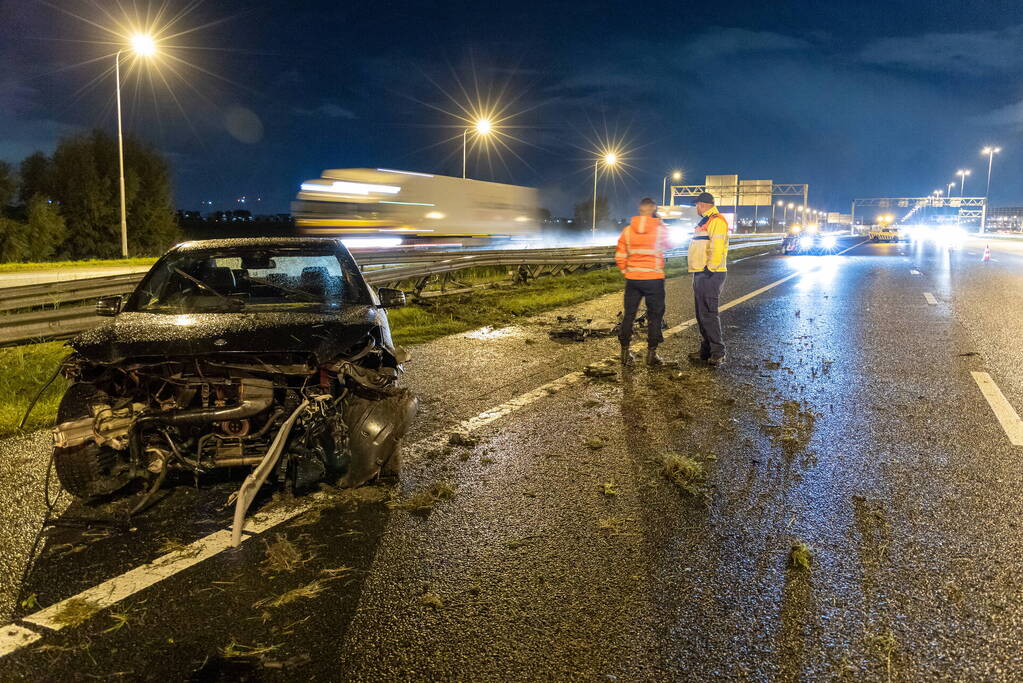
(884, 230)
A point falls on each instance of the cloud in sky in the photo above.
(970, 53)
(329, 110)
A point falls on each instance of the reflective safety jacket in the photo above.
(640, 253)
(709, 246)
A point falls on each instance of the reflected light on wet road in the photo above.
(486, 333)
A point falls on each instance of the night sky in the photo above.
(856, 99)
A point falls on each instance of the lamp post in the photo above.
(991, 152)
(962, 173)
(676, 176)
(143, 46)
(774, 224)
(483, 128)
(609, 159)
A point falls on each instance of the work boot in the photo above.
(652, 358)
(716, 359)
(698, 357)
(627, 358)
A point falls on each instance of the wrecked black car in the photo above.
(270, 354)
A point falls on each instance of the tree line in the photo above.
(67, 205)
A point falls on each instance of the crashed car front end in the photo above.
(298, 393)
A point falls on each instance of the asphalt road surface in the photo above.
(866, 411)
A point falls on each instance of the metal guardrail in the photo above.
(379, 268)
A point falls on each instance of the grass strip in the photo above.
(72, 265)
(23, 369)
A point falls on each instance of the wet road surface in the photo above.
(847, 419)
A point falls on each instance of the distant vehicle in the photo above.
(886, 233)
(386, 208)
(809, 241)
(681, 222)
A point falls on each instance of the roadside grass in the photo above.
(23, 369)
(428, 319)
(72, 265)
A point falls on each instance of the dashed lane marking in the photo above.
(120, 587)
(930, 298)
(1006, 414)
(14, 637)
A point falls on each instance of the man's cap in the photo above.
(705, 197)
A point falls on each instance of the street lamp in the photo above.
(962, 173)
(609, 159)
(142, 45)
(675, 176)
(991, 152)
(482, 128)
(780, 202)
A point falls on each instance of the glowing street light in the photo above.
(143, 45)
(962, 173)
(483, 128)
(676, 176)
(609, 160)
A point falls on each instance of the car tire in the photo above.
(392, 466)
(89, 470)
(86, 470)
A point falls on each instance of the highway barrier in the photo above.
(57, 310)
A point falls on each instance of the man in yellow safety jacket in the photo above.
(708, 253)
(640, 257)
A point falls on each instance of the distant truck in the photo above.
(388, 208)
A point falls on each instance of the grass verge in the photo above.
(23, 369)
(72, 265)
(432, 318)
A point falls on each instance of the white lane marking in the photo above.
(120, 587)
(915, 272)
(930, 298)
(14, 637)
(123, 586)
(1003, 410)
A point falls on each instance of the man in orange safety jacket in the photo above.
(640, 257)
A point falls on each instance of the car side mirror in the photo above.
(108, 306)
(391, 298)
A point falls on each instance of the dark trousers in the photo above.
(653, 292)
(707, 290)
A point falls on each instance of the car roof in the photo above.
(264, 242)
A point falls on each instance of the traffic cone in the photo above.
(987, 254)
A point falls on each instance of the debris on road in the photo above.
(282, 555)
(610, 488)
(683, 471)
(432, 600)
(422, 503)
(75, 612)
(462, 439)
(601, 370)
(800, 556)
(574, 329)
(595, 443)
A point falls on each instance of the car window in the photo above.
(254, 279)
